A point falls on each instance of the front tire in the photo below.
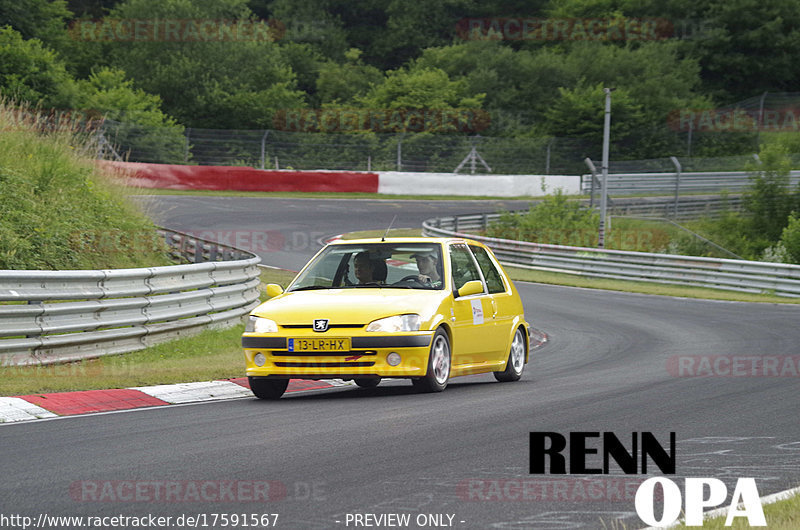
(516, 359)
(438, 365)
(268, 388)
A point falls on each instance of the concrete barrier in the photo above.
(240, 178)
(402, 183)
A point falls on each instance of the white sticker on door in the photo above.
(477, 312)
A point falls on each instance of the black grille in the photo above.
(321, 353)
(323, 365)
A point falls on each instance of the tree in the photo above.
(136, 123)
(420, 88)
(579, 113)
(342, 83)
(37, 19)
(31, 73)
(228, 76)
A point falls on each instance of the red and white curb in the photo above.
(43, 406)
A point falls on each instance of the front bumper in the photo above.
(366, 356)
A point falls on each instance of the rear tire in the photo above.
(367, 382)
(516, 359)
(438, 365)
(268, 388)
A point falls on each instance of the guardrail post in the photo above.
(593, 169)
(677, 165)
(455, 223)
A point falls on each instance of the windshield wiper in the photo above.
(309, 288)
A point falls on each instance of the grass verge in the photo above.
(58, 209)
(780, 515)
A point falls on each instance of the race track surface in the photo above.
(614, 362)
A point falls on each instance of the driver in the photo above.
(428, 269)
(368, 270)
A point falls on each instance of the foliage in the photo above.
(57, 211)
(555, 220)
(214, 83)
(343, 83)
(420, 88)
(31, 72)
(790, 239)
(769, 200)
(37, 19)
(137, 123)
(401, 53)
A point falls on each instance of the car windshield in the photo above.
(374, 265)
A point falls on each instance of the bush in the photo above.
(554, 220)
(790, 238)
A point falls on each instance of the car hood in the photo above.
(349, 306)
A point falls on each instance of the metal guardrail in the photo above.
(59, 316)
(718, 273)
(675, 182)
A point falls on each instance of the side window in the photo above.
(464, 269)
(494, 280)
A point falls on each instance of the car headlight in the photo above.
(395, 323)
(260, 325)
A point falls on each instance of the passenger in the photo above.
(427, 263)
(369, 270)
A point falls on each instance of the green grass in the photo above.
(780, 515)
(394, 232)
(212, 354)
(275, 275)
(58, 210)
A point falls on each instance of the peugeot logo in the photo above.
(320, 324)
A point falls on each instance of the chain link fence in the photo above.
(274, 149)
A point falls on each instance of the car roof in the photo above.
(373, 240)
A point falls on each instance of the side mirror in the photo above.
(470, 288)
(273, 290)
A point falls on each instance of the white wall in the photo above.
(403, 183)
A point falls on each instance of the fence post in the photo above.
(264, 149)
(186, 146)
(399, 153)
(593, 169)
(677, 165)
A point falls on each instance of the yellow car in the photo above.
(424, 309)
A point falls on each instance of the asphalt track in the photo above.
(609, 365)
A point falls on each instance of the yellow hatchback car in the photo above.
(425, 309)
